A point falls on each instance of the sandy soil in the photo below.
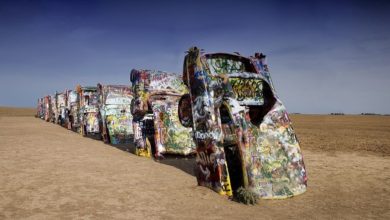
(347, 133)
(47, 172)
(12, 111)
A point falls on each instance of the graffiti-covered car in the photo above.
(47, 108)
(40, 108)
(89, 110)
(157, 129)
(72, 110)
(115, 114)
(60, 110)
(53, 109)
(244, 137)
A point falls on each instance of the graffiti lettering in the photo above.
(246, 89)
(205, 159)
(137, 131)
(210, 135)
(222, 65)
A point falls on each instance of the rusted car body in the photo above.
(115, 114)
(157, 129)
(89, 110)
(72, 110)
(243, 134)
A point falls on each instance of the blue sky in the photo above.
(324, 56)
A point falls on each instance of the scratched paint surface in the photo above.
(116, 114)
(155, 110)
(270, 157)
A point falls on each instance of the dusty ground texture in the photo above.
(48, 172)
(345, 133)
(12, 111)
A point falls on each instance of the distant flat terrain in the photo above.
(12, 111)
(346, 133)
(48, 172)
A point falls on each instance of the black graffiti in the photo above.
(221, 65)
(247, 88)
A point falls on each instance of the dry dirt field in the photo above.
(48, 172)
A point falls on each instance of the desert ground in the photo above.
(48, 172)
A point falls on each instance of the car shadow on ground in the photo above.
(183, 163)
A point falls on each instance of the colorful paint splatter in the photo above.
(89, 110)
(115, 113)
(73, 109)
(243, 134)
(155, 110)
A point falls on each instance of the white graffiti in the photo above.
(205, 172)
(215, 135)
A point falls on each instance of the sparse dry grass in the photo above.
(346, 133)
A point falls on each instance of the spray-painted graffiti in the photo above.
(221, 65)
(89, 110)
(248, 91)
(170, 135)
(92, 122)
(40, 108)
(115, 113)
(47, 108)
(155, 110)
(243, 134)
(62, 110)
(53, 109)
(73, 110)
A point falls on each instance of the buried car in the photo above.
(60, 110)
(115, 115)
(244, 137)
(48, 112)
(157, 129)
(73, 110)
(53, 109)
(89, 110)
(40, 108)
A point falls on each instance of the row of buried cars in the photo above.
(223, 109)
